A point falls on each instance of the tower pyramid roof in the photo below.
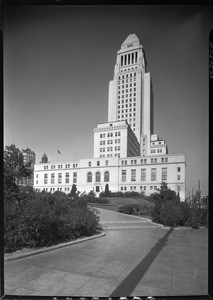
(131, 39)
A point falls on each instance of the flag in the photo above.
(59, 152)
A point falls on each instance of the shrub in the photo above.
(198, 217)
(170, 215)
(91, 198)
(135, 209)
(44, 219)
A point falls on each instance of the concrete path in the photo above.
(140, 261)
(114, 220)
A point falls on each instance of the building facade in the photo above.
(29, 159)
(128, 155)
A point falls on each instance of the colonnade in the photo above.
(128, 59)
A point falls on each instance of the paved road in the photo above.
(139, 261)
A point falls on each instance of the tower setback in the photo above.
(128, 155)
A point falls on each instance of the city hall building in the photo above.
(128, 155)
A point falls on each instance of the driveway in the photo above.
(126, 261)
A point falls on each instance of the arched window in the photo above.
(98, 177)
(106, 176)
(89, 177)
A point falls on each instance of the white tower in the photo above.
(131, 95)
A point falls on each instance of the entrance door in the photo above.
(97, 188)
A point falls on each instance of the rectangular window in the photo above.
(98, 163)
(133, 175)
(166, 159)
(106, 162)
(89, 163)
(164, 174)
(153, 174)
(162, 159)
(74, 177)
(67, 177)
(53, 178)
(178, 169)
(178, 177)
(143, 174)
(123, 176)
(59, 177)
(45, 178)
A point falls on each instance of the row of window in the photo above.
(144, 188)
(110, 134)
(123, 110)
(98, 163)
(157, 143)
(128, 69)
(143, 175)
(126, 76)
(121, 89)
(67, 178)
(108, 149)
(128, 83)
(127, 95)
(110, 155)
(157, 151)
(116, 141)
(126, 101)
(126, 116)
(144, 161)
(67, 166)
(97, 177)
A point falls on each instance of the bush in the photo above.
(198, 217)
(170, 215)
(128, 194)
(44, 219)
(91, 198)
(135, 209)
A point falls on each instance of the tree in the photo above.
(167, 206)
(73, 191)
(164, 194)
(14, 169)
(107, 191)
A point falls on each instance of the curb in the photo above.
(129, 228)
(19, 256)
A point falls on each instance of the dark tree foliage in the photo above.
(91, 198)
(170, 211)
(135, 209)
(14, 170)
(107, 191)
(44, 219)
(73, 192)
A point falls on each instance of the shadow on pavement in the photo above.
(127, 286)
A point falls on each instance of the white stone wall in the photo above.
(112, 101)
(175, 177)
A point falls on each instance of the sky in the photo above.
(58, 61)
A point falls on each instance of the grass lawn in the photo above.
(116, 202)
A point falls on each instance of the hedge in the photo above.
(44, 219)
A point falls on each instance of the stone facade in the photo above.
(128, 155)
